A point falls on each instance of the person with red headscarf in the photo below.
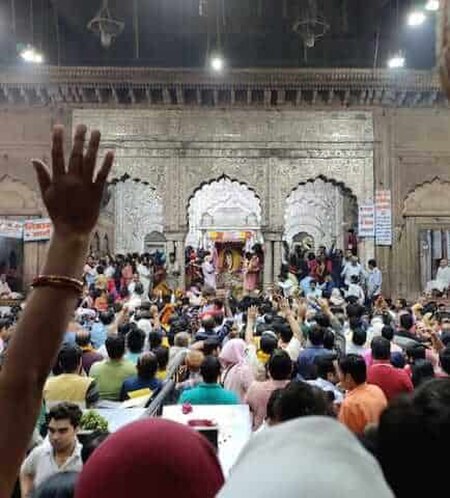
(152, 457)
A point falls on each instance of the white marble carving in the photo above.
(222, 205)
(138, 212)
(317, 208)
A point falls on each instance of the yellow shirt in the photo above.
(161, 375)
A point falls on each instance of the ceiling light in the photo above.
(416, 18)
(30, 54)
(217, 63)
(396, 61)
(432, 5)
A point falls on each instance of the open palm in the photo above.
(72, 196)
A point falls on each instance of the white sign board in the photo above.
(383, 218)
(11, 229)
(36, 230)
(366, 220)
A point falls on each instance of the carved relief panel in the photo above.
(138, 212)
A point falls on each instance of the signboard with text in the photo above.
(366, 220)
(383, 218)
(11, 229)
(37, 230)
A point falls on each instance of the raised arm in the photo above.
(252, 313)
(292, 321)
(72, 199)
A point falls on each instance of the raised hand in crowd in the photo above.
(252, 315)
(72, 197)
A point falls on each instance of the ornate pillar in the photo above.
(273, 257)
(181, 261)
(176, 243)
(268, 264)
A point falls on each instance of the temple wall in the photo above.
(272, 151)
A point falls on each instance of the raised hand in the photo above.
(252, 313)
(72, 196)
(285, 307)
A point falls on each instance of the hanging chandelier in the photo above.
(310, 26)
(104, 25)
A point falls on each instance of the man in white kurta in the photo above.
(442, 281)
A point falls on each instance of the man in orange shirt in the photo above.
(363, 403)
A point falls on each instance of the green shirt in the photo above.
(110, 375)
(209, 394)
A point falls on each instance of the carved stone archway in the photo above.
(322, 208)
(426, 212)
(428, 199)
(18, 199)
(222, 204)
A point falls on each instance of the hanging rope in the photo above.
(13, 17)
(136, 28)
(32, 22)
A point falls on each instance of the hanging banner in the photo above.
(11, 229)
(383, 218)
(36, 230)
(230, 236)
(366, 220)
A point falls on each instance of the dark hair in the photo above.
(359, 336)
(208, 323)
(387, 332)
(444, 358)
(139, 289)
(272, 404)
(210, 369)
(355, 366)
(147, 366)
(422, 370)
(398, 360)
(210, 345)
(372, 262)
(83, 338)
(325, 365)
(316, 335)
(329, 340)
(107, 317)
(406, 321)
(416, 352)
(135, 340)
(381, 348)
(280, 365)
(69, 358)
(59, 485)
(162, 357)
(66, 411)
(268, 343)
(402, 302)
(284, 330)
(100, 270)
(115, 346)
(411, 425)
(91, 443)
(299, 399)
(322, 320)
(154, 339)
(4, 323)
(354, 310)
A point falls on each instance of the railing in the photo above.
(157, 402)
